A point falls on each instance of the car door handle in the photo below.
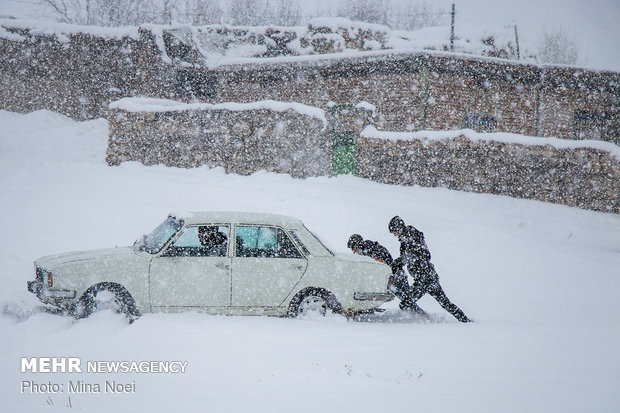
(298, 267)
(223, 266)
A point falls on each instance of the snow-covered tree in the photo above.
(201, 12)
(371, 11)
(416, 15)
(98, 12)
(557, 47)
(245, 13)
(409, 15)
(286, 13)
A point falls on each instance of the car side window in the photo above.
(265, 242)
(201, 241)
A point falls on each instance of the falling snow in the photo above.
(238, 106)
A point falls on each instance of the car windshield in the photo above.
(153, 242)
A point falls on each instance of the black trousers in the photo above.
(403, 292)
(433, 288)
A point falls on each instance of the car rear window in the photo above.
(300, 244)
(266, 242)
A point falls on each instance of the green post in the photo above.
(343, 142)
(343, 153)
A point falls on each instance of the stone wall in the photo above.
(296, 140)
(586, 177)
(439, 91)
(242, 141)
(79, 70)
(79, 73)
(570, 92)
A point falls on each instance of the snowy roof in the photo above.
(217, 53)
(241, 218)
(381, 56)
(336, 23)
(61, 30)
(328, 58)
(504, 137)
(142, 104)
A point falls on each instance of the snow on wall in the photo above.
(78, 70)
(372, 132)
(167, 105)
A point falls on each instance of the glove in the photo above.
(397, 265)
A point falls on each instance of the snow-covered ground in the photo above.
(541, 282)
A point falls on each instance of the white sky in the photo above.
(595, 24)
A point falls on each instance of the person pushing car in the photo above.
(398, 282)
(415, 255)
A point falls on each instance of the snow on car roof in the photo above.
(241, 218)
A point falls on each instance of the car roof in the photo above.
(221, 217)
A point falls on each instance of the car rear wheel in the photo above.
(314, 301)
(312, 305)
(106, 296)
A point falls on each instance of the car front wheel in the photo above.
(106, 296)
(313, 300)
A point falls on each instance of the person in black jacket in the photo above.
(370, 249)
(398, 282)
(415, 255)
(212, 240)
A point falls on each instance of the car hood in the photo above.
(50, 261)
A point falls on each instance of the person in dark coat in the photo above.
(398, 282)
(370, 249)
(212, 240)
(415, 255)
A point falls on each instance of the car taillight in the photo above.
(50, 279)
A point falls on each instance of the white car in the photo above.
(216, 262)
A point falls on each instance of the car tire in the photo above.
(314, 300)
(106, 296)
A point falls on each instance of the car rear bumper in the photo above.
(387, 296)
